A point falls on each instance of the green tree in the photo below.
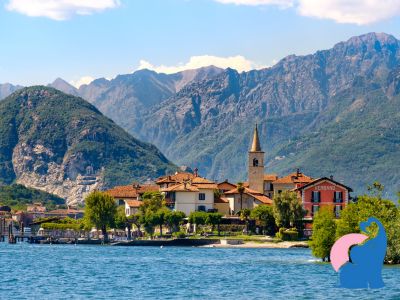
(122, 221)
(214, 219)
(376, 189)
(152, 201)
(160, 218)
(137, 220)
(149, 221)
(240, 188)
(323, 236)
(174, 219)
(100, 211)
(197, 218)
(288, 210)
(265, 216)
(373, 206)
(244, 215)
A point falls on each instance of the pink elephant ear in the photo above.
(340, 250)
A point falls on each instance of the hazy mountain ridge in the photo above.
(7, 89)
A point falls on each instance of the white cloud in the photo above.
(60, 9)
(238, 63)
(81, 81)
(360, 12)
(281, 3)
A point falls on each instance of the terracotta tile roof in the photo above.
(256, 195)
(177, 177)
(133, 203)
(323, 179)
(246, 190)
(226, 184)
(201, 180)
(148, 188)
(181, 187)
(221, 200)
(123, 191)
(263, 199)
(294, 178)
(270, 177)
(209, 186)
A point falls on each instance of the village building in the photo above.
(196, 194)
(249, 199)
(221, 205)
(130, 196)
(132, 207)
(178, 177)
(323, 192)
(290, 182)
(225, 186)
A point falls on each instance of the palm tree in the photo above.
(240, 189)
(245, 216)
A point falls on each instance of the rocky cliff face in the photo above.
(34, 167)
(63, 145)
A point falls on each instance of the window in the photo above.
(337, 210)
(315, 209)
(201, 208)
(255, 162)
(268, 186)
(121, 202)
(338, 197)
(202, 196)
(316, 196)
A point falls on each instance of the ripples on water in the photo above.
(93, 272)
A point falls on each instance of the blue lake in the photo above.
(103, 272)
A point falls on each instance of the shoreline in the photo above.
(261, 245)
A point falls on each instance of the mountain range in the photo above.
(334, 112)
(63, 145)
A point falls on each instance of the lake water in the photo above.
(103, 272)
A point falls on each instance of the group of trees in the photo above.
(102, 212)
(286, 212)
(327, 229)
(203, 218)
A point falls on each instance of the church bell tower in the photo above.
(256, 164)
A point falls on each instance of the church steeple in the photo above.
(256, 164)
(255, 147)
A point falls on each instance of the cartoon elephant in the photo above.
(365, 267)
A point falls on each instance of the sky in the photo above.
(79, 40)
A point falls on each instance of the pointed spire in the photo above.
(255, 147)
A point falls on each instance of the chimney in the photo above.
(331, 177)
(196, 172)
(298, 172)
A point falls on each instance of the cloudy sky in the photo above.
(83, 39)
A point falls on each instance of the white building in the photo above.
(192, 195)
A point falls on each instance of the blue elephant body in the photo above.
(365, 268)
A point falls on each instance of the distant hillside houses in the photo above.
(189, 192)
